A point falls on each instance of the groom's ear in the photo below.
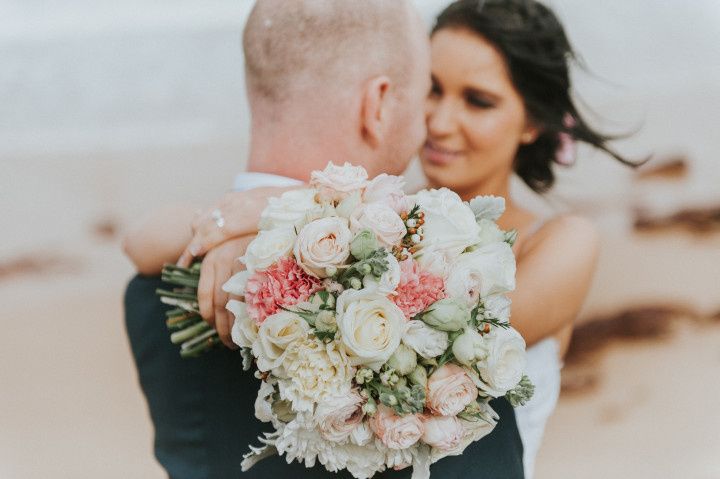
(374, 110)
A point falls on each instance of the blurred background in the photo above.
(108, 109)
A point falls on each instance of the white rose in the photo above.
(335, 183)
(433, 261)
(382, 220)
(497, 306)
(338, 416)
(388, 282)
(488, 270)
(316, 372)
(289, 210)
(504, 366)
(370, 326)
(442, 432)
(450, 225)
(268, 247)
(388, 190)
(322, 244)
(275, 335)
(426, 341)
(245, 330)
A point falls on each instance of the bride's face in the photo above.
(476, 119)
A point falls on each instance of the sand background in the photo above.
(108, 109)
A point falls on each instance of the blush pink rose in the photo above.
(450, 390)
(396, 432)
(417, 289)
(442, 432)
(338, 416)
(283, 284)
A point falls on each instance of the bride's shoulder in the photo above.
(571, 237)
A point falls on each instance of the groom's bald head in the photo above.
(303, 47)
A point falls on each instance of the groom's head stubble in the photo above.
(335, 80)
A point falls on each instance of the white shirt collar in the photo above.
(250, 179)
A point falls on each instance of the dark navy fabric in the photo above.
(203, 410)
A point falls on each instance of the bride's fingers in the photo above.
(206, 293)
(200, 244)
(223, 320)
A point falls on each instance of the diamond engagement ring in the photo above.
(218, 217)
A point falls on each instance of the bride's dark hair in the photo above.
(537, 52)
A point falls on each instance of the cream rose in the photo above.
(244, 331)
(450, 390)
(504, 365)
(450, 225)
(382, 220)
(497, 306)
(468, 347)
(487, 270)
(316, 372)
(388, 190)
(335, 183)
(487, 207)
(396, 432)
(268, 247)
(370, 327)
(442, 432)
(338, 416)
(289, 210)
(278, 332)
(428, 342)
(322, 244)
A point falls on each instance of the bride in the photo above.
(500, 105)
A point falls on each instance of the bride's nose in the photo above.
(440, 118)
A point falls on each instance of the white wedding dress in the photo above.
(543, 369)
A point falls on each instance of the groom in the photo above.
(327, 80)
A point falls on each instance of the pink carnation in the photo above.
(282, 284)
(417, 289)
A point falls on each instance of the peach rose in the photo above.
(396, 432)
(450, 390)
(338, 416)
(442, 432)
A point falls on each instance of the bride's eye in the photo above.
(478, 101)
(435, 90)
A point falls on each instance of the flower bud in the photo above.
(388, 399)
(511, 237)
(330, 271)
(403, 360)
(418, 376)
(355, 283)
(447, 314)
(365, 269)
(370, 407)
(468, 347)
(364, 375)
(325, 322)
(363, 245)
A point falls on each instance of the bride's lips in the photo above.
(438, 155)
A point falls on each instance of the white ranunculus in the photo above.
(268, 247)
(497, 306)
(487, 207)
(335, 183)
(382, 220)
(338, 416)
(388, 190)
(236, 284)
(316, 371)
(487, 270)
(322, 244)
(504, 366)
(428, 342)
(244, 331)
(388, 282)
(450, 225)
(370, 327)
(278, 332)
(289, 210)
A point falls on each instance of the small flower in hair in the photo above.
(565, 153)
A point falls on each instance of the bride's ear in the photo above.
(530, 133)
(374, 110)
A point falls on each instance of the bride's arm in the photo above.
(554, 274)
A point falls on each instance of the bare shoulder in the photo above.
(566, 238)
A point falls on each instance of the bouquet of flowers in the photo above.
(378, 323)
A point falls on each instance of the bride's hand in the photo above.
(217, 267)
(237, 214)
